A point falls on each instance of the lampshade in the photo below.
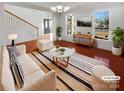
(12, 36)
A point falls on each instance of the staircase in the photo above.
(12, 19)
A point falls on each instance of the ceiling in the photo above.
(45, 6)
(87, 5)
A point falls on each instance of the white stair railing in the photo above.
(12, 19)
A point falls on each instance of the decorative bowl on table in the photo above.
(62, 50)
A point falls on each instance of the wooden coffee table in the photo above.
(57, 56)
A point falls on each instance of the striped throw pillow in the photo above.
(17, 71)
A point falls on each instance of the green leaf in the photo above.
(118, 36)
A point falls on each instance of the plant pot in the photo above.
(60, 38)
(117, 51)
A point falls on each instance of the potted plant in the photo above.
(59, 33)
(117, 38)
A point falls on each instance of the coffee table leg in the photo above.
(54, 59)
(67, 61)
(57, 62)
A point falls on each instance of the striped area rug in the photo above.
(75, 77)
(81, 62)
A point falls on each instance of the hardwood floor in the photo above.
(116, 63)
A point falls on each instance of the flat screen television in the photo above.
(84, 22)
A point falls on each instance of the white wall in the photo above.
(31, 15)
(29, 5)
(6, 29)
(56, 22)
(79, 13)
(116, 16)
(1, 6)
(36, 17)
(116, 19)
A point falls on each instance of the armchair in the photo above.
(45, 42)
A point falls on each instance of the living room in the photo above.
(62, 46)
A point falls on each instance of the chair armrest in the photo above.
(46, 83)
(21, 49)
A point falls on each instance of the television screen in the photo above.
(84, 22)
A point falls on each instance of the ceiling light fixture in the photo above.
(60, 9)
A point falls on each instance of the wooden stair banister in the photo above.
(26, 22)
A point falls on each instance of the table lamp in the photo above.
(12, 37)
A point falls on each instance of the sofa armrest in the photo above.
(46, 83)
(21, 49)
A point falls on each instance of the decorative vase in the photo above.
(117, 51)
(59, 38)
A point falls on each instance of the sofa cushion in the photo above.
(24, 59)
(32, 79)
(32, 71)
(17, 71)
(13, 49)
(28, 65)
(21, 49)
(29, 79)
(7, 77)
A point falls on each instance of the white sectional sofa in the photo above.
(34, 78)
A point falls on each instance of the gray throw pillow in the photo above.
(17, 71)
(13, 49)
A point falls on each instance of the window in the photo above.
(101, 19)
